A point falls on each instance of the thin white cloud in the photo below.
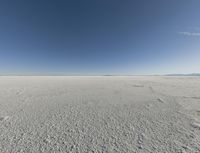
(197, 28)
(196, 34)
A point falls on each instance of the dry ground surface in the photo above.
(100, 114)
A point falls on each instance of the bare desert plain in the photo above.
(99, 114)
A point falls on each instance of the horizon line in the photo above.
(172, 74)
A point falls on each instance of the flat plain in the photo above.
(99, 114)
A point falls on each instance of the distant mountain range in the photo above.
(191, 74)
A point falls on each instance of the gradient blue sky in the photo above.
(99, 37)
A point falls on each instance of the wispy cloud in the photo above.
(195, 34)
(197, 28)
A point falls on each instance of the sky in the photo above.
(97, 37)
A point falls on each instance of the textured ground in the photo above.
(100, 114)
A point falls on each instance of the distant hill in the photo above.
(191, 74)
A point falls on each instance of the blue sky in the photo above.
(76, 37)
